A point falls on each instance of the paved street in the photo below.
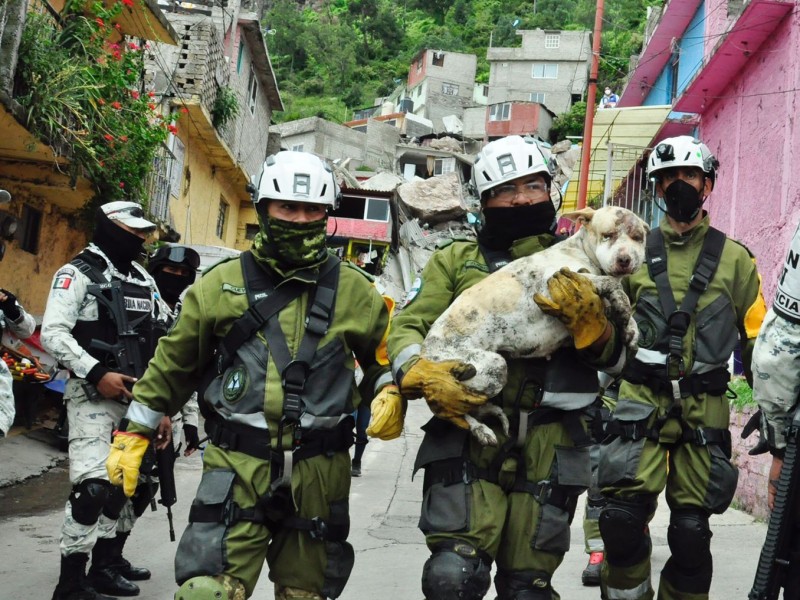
(389, 548)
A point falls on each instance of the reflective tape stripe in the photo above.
(651, 357)
(309, 421)
(255, 420)
(405, 355)
(383, 380)
(143, 415)
(568, 400)
(629, 594)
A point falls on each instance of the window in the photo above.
(537, 97)
(449, 89)
(250, 231)
(419, 65)
(222, 216)
(358, 207)
(438, 59)
(239, 59)
(444, 165)
(486, 91)
(545, 71)
(500, 112)
(31, 227)
(252, 90)
(377, 210)
(297, 148)
(552, 40)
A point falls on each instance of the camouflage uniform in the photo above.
(514, 503)
(91, 421)
(656, 442)
(22, 327)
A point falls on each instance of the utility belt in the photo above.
(459, 470)
(713, 382)
(702, 436)
(257, 442)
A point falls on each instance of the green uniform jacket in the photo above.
(736, 281)
(449, 272)
(360, 321)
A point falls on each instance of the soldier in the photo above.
(699, 294)
(13, 316)
(278, 402)
(80, 328)
(512, 504)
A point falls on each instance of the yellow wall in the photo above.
(247, 215)
(26, 275)
(195, 213)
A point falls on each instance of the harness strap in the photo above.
(495, 259)
(701, 436)
(713, 382)
(679, 319)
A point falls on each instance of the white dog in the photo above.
(499, 314)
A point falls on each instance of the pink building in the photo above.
(734, 65)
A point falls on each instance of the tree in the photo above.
(569, 123)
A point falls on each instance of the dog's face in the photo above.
(618, 238)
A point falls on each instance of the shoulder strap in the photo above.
(294, 371)
(90, 266)
(495, 259)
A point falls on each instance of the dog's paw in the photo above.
(481, 432)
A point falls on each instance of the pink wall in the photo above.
(524, 119)
(414, 76)
(754, 132)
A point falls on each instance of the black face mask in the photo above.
(504, 225)
(683, 201)
(171, 285)
(121, 246)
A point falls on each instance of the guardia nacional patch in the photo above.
(416, 288)
(647, 334)
(235, 384)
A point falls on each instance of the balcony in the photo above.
(140, 18)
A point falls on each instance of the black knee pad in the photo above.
(523, 585)
(689, 538)
(142, 496)
(623, 527)
(114, 503)
(87, 499)
(456, 571)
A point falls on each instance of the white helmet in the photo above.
(509, 158)
(299, 177)
(682, 151)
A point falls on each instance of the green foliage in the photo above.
(79, 93)
(570, 123)
(743, 395)
(226, 107)
(354, 50)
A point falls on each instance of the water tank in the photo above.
(387, 108)
(406, 105)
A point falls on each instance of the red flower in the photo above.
(117, 55)
(117, 26)
(151, 93)
(127, 2)
(172, 129)
(151, 106)
(133, 46)
(101, 102)
(100, 22)
(122, 184)
(134, 94)
(123, 138)
(109, 137)
(116, 105)
(185, 110)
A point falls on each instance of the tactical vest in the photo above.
(316, 385)
(139, 310)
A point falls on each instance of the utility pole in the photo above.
(586, 150)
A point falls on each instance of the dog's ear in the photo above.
(645, 224)
(583, 215)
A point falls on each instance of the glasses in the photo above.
(509, 191)
(178, 255)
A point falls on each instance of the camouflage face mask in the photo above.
(297, 244)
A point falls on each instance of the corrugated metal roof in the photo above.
(629, 127)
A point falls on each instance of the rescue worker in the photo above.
(278, 401)
(776, 383)
(13, 316)
(699, 294)
(81, 329)
(513, 503)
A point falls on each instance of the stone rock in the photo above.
(433, 200)
(446, 143)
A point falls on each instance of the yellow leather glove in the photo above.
(124, 460)
(440, 384)
(576, 303)
(388, 414)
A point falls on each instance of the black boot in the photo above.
(123, 566)
(72, 584)
(103, 576)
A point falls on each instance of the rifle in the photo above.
(165, 464)
(774, 562)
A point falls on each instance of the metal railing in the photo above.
(626, 182)
(158, 184)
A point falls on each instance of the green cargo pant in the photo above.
(320, 485)
(696, 476)
(517, 530)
